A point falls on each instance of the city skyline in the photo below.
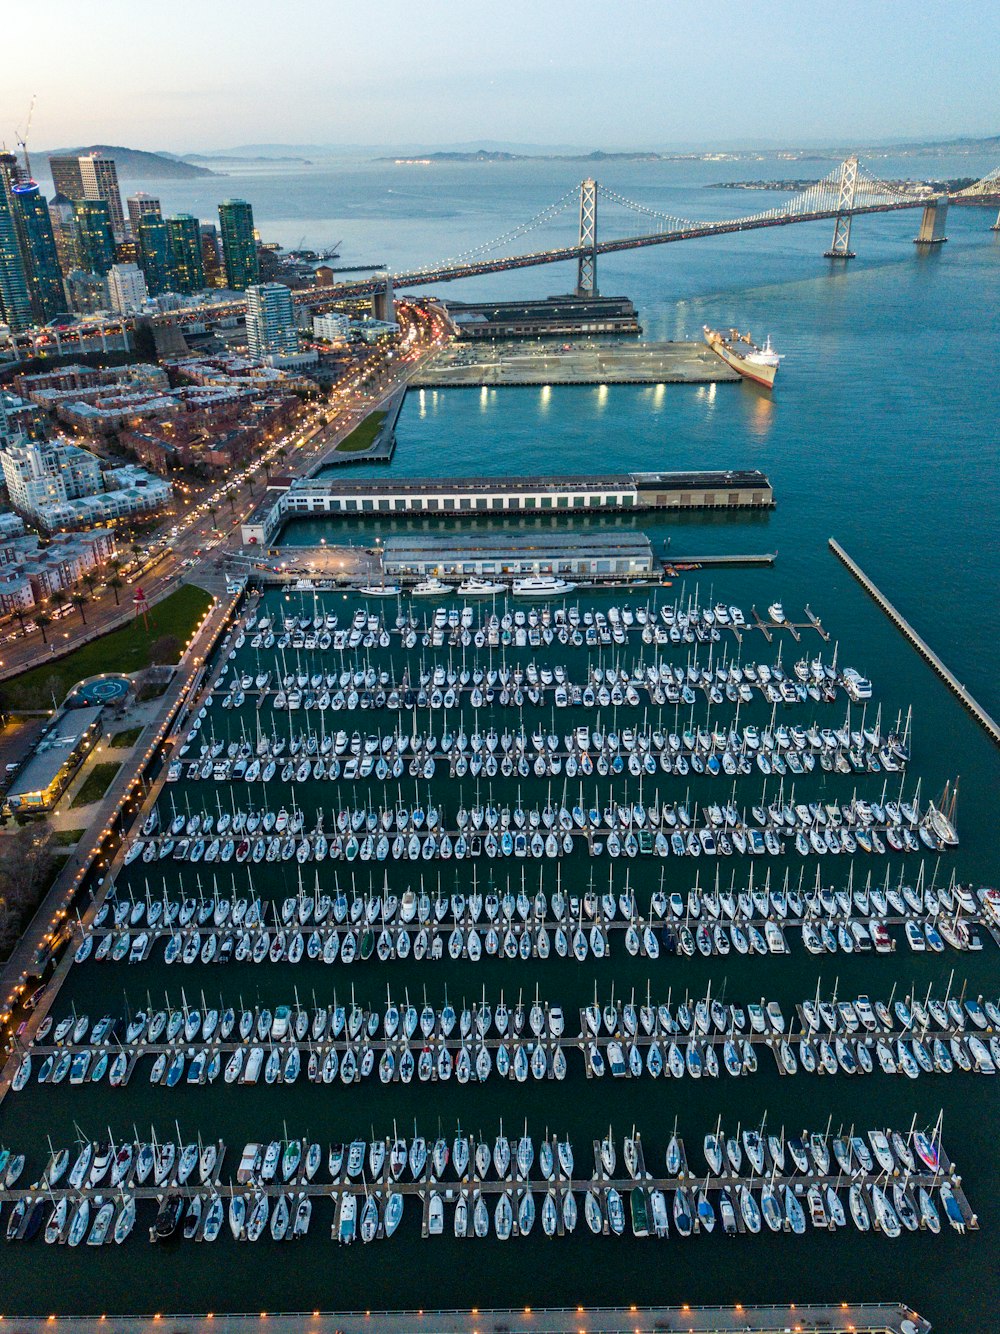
(434, 76)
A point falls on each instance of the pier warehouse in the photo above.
(494, 551)
(308, 497)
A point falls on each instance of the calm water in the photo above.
(883, 433)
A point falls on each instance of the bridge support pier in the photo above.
(932, 223)
(996, 225)
(382, 302)
(586, 266)
(841, 246)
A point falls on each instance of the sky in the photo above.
(195, 75)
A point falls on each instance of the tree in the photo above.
(79, 601)
(43, 620)
(58, 598)
(213, 510)
(114, 583)
(89, 581)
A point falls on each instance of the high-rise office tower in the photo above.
(153, 240)
(66, 177)
(211, 256)
(38, 251)
(15, 294)
(64, 232)
(94, 235)
(271, 330)
(141, 206)
(100, 181)
(239, 245)
(187, 272)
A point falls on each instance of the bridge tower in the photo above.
(932, 223)
(383, 302)
(586, 268)
(841, 247)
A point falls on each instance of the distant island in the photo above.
(245, 158)
(941, 187)
(492, 155)
(137, 163)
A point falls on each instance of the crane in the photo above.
(22, 135)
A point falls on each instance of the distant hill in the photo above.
(134, 163)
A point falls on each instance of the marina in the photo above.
(596, 764)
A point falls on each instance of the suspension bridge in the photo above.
(845, 193)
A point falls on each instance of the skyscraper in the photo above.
(66, 177)
(38, 251)
(15, 295)
(153, 240)
(271, 328)
(141, 206)
(211, 258)
(100, 181)
(94, 234)
(239, 245)
(64, 232)
(187, 273)
(126, 288)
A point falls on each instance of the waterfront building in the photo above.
(57, 756)
(495, 551)
(141, 206)
(153, 239)
(126, 288)
(187, 271)
(39, 253)
(64, 232)
(211, 255)
(331, 327)
(15, 295)
(239, 244)
(100, 181)
(95, 235)
(271, 328)
(67, 179)
(40, 473)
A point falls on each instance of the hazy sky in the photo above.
(193, 74)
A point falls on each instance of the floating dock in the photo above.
(971, 705)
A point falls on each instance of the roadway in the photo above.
(192, 548)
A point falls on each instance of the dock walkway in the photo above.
(838, 1318)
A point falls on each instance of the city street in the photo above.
(192, 547)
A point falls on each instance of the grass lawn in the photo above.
(65, 838)
(363, 434)
(96, 783)
(123, 740)
(124, 650)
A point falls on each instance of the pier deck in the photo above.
(626, 363)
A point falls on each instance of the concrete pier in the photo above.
(462, 367)
(968, 702)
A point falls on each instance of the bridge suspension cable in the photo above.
(561, 205)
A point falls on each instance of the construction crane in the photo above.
(22, 135)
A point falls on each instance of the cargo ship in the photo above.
(759, 364)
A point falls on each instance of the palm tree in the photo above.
(79, 601)
(114, 583)
(213, 510)
(43, 620)
(58, 598)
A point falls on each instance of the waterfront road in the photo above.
(860, 1318)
